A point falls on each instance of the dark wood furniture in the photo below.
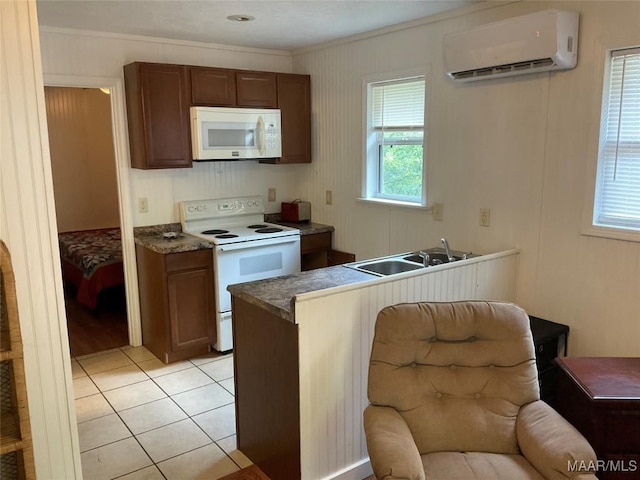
(550, 340)
(158, 115)
(294, 102)
(176, 302)
(213, 86)
(601, 398)
(266, 383)
(159, 96)
(314, 250)
(251, 472)
(256, 89)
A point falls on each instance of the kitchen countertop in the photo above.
(152, 238)
(277, 294)
(306, 228)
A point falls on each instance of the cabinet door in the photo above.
(256, 89)
(294, 101)
(158, 115)
(191, 308)
(213, 87)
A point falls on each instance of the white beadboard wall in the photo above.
(520, 146)
(92, 54)
(28, 227)
(336, 332)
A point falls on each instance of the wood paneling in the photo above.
(82, 158)
(519, 146)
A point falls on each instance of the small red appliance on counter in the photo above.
(296, 211)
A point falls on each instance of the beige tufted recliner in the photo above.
(454, 395)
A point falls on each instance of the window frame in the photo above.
(370, 191)
(589, 227)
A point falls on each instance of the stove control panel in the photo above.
(222, 207)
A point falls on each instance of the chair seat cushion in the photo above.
(477, 466)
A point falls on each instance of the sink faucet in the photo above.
(425, 258)
(445, 244)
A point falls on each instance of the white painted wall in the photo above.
(28, 227)
(521, 147)
(92, 54)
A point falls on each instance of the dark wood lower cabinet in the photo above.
(176, 302)
(267, 390)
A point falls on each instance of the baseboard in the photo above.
(357, 471)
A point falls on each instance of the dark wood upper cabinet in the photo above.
(158, 98)
(294, 102)
(256, 89)
(213, 86)
(158, 115)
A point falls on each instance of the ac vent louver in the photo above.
(505, 70)
(539, 42)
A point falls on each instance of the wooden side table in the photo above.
(601, 398)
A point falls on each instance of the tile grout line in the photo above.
(167, 395)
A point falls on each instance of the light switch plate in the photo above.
(437, 212)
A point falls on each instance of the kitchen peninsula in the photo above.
(302, 345)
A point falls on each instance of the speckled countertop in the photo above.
(306, 228)
(153, 238)
(276, 294)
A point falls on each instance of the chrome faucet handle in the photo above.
(425, 258)
(466, 255)
(445, 244)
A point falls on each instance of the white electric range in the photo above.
(246, 248)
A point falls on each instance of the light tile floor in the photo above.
(139, 419)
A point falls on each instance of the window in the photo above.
(395, 140)
(617, 192)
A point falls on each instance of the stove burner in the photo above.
(226, 235)
(257, 226)
(214, 232)
(269, 230)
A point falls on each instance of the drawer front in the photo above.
(189, 260)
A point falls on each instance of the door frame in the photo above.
(121, 151)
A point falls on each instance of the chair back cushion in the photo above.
(457, 372)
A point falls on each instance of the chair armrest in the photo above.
(392, 450)
(552, 445)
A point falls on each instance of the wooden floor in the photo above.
(103, 328)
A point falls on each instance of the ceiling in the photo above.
(280, 25)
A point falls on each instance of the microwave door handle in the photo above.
(260, 134)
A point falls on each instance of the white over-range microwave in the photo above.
(223, 133)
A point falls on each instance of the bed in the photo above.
(91, 261)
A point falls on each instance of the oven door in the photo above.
(253, 260)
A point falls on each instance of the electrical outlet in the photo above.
(437, 211)
(485, 217)
(272, 195)
(329, 197)
(143, 205)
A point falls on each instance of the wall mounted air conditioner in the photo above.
(538, 42)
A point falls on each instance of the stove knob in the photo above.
(201, 208)
(191, 208)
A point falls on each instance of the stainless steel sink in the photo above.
(435, 258)
(388, 267)
(406, 262)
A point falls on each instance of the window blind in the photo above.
(618, 192)
(398, 105)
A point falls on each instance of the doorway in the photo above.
(87, 211)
